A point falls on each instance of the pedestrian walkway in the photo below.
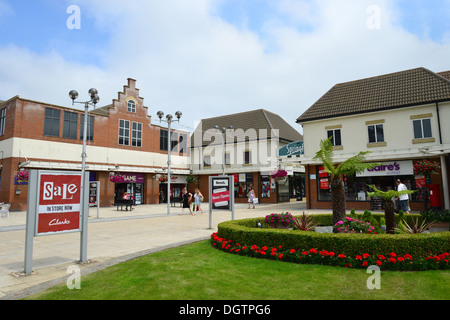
(114, 236)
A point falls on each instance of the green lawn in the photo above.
(199, 272)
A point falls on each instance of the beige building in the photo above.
(401, 118)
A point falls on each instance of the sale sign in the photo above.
(59, 204)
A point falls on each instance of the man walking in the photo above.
(403, 199)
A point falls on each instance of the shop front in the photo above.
(177, 183)
(128, 185)
(384, 178)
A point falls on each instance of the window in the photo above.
(90, 128)
(124, 132)
(131, 106)
(136, 135)
(376, 133)
(183, 143)
(227, 158)
(207, 161)
(51, 122)
(70, 125)
(247, 157)
(173, 141)
(163, 145)
(2, 121)
(336, 137)
(422, 128)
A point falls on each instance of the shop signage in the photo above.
(392, 168)
(221, 195)
(59, 203)
(292, 149)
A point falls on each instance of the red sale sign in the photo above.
(59, 204)
(220, 196)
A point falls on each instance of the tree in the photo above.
(349, 167)
(388, 204)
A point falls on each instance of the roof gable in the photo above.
(391, 91)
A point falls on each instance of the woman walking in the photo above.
(198, 199)
(251, 197)
(186, 201)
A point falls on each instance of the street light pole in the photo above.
(94, 100)
(169, 120)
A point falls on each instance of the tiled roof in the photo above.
(256, 119)
(445, 74)
(390, 91)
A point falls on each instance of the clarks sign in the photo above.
(59, 202)
(393, 168)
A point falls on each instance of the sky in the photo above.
(208, 58)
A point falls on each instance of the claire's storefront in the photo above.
(427, 185)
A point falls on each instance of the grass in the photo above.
(199, 272)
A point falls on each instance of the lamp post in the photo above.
(73, 94)
(223, 130)
(169, 120)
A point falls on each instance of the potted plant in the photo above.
(279, 175)
(116, 177)
(22, 176)
(279, 220)
(425, 167)
(191, 179)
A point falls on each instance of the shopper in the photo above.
(187, 198)
(251, 197)
(198, 198)
(403, 199)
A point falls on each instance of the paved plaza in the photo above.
(114, 236)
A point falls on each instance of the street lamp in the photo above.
(169, 120)
(223, 130)
(73, 94)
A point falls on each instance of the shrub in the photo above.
(389, 261)
(351, 224)
(280, 220)
(436, 215)
(417, 245)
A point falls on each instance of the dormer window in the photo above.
(131, 106)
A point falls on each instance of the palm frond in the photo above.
(387, 195)
(326, 154)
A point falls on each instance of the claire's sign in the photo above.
(59, 202)
(392, 168)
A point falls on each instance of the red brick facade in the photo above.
(24, 131)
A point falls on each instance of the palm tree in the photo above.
(388, 204)
(349, 167)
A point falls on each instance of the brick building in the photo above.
(125, 151)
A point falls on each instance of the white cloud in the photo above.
(186, 57)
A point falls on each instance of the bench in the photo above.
(4, 208)
(124, 203)
(175, 201)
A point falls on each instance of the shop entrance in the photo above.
(134, 191)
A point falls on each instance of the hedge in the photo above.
(418, 245)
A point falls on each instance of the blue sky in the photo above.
(214, 56)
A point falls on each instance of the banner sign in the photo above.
(393, 168)
(59, 202)
(221, 193)
(292, 149)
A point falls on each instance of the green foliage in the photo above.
(436, 215)
(387, 195)
(418, 245)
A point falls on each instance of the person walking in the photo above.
(198, 198)
(186, 201)
(251, 197)
(403, 199)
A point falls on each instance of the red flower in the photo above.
(314, 251)
(392, 254)
(305, 253)
(381, 257)
(358, 257)
(392, 260)
(364, 263)
(341, 256)
(400, 259)
(365, 255)
(264, 248)
(379, 262)
(292, 251)
(280, 256)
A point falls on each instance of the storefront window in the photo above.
(265, 186)
(356, 188)
(242, 184)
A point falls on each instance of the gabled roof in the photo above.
(256, 119)
(391, 91)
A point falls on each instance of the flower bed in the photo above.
(350, 246)
(390, 261)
